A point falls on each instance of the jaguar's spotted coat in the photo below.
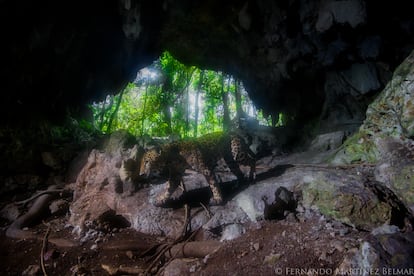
(201, 155)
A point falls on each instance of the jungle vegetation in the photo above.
(170, 98)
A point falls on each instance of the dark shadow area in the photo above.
(400, 214)
(110, 220)
(229, 190)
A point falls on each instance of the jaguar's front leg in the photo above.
(252, 173)
(217, 198)
(165, 197)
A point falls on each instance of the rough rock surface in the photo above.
(341, 193)
(372, 256)
(318, 62)
(386, 135)
(304, 58)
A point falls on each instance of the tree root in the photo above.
(57, 191)
(122, 270)
(182, 246)
(42, 252)
(35, 213)
(194, 249)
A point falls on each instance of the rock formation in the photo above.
(308, 59)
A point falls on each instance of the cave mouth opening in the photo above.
(169, 98)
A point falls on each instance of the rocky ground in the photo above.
(267, 247)
(254, 241)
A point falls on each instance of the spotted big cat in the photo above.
(202, 155)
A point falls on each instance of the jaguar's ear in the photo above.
(157, 149)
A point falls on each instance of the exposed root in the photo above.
(57, 191)
(164, 248)
(179, 248)
(39, 208)
(207, 210)
(42, 252)
(197, 249)
(187, 217)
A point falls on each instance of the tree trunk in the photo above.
(103, 111)
(225, 99)
(115, 111)
(166, 103)
(144, 109)
(239, 109)
(187, 112)
(196, 108)
(187, 103)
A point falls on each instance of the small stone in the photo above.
(322, 257)
(272, 259)
(129, 254)
(205, 259)
(338, 245)
(256, 246)
(176, 267)
(343, 231)
(193, 268)
(31, 270)
(58, 205)
(94, 247)
(300, 209)
(291, 217)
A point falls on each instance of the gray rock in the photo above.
(385, 229)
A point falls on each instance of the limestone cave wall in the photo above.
(320, 59)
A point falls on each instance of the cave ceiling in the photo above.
(309, 59)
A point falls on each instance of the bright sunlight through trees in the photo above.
(170, 98)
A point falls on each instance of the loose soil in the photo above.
(286, 247)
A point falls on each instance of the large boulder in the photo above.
(386, 136)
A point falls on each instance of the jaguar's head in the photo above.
(150, 163)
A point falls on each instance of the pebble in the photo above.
(338, 245)
(272, 259)
(129, 254)
(31, 270)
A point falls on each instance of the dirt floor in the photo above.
(307, 246)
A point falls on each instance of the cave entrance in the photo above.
(170, 98)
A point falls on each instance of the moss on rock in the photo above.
(352, 203)
(391, 114)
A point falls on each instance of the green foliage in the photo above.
(164, 100)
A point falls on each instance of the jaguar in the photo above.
(199, 154)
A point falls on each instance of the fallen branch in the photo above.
(194, 249)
